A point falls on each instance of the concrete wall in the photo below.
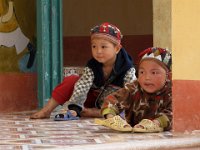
(24, 17)
(176, 26)
(186, 62)
(18, 84)
(133, 17)
(162, 23)
(185, 37)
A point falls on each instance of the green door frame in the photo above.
(49, 47)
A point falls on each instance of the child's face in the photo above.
(151, 76)
(104, 51)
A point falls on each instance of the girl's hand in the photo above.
(156, 122)
(109, 116)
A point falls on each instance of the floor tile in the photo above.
(19, 132)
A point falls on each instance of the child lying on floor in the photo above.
(147, 102)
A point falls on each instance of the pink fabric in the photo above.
(63, 91)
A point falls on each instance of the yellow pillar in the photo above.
(162, 23)
(186, 64)
(176, 26)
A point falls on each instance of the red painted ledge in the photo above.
(186, 105)
(18, 92)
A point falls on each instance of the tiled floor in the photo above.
(18, 132)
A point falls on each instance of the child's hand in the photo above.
(109, 116)
(74, 113)
(156, 122)
(64, 111)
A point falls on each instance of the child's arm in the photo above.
(116, 102)
(164, 116)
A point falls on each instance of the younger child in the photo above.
(109, 69)
(147, 101)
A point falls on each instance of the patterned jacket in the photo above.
(140, 105)
(92, 78)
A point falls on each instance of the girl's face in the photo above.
(104, 51)
(151, 76)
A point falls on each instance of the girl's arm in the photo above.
(116, 102)
(165, 112)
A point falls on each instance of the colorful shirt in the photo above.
(140, 105)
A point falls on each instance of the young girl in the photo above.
(147, 101)
(109, 69)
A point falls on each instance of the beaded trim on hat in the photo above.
(107, 29)
(158, 53)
